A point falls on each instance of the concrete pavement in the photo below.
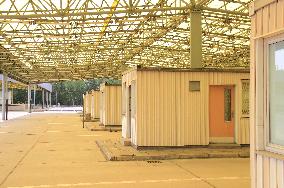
(52, 150)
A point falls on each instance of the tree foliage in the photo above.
(20, 96)
(66, 93)
(71, 92)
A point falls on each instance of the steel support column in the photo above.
(29, 98)
(195, 39)
(12, 96)
(43, 99)
(4, 80)
(50, 99)
(34, 95)
(46, 98)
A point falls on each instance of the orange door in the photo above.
(221, 114)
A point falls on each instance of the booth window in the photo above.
(275, 93)
(194, 85)
(245, 98)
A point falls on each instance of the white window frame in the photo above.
(275, 148)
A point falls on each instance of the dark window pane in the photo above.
(227, 97)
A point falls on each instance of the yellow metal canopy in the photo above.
(51, 40)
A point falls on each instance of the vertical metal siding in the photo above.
(269, 172)
(110, 105)
(88, 101)
(92, 105)
(127, 80)
(266, 171)
(244, 131)
(102, 104)
(95, 104)
(124, 104)
(168, 114)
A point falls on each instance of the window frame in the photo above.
(193, 83)
(275, 148)
(242, 114)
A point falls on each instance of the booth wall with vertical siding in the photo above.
(160, 110)
(267, 35)
(95, 104)
(87, 100)
(110, 106)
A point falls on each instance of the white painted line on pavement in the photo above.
(55, 123)
(88, 135)
(52, 131)
(130, 182)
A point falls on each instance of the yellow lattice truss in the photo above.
(51, 40)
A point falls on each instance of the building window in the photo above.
(275, 94)
(245, 98)
(228, 104)
(194, 85)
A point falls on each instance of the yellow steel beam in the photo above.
(109, 16)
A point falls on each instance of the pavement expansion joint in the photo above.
(114, 151)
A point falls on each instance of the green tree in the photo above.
(20, 96)
(71, 92)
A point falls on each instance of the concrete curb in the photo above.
(91, 120)
(91, 128)
(202, 155)
(104, 150)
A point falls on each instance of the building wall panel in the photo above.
(272, 171)
(266, 170)
(252, 105)
(88, 101)
(279, 173)
(95, 105)
(259, 171)
(244, 131)
(110, 105)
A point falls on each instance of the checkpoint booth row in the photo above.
(104, 105)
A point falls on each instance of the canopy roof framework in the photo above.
(51, 40)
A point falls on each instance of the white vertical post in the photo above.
(50, 99)
(29, 98)
(4, 80)
(12, 96)
(56, 103)
(46, 97)
(34, 94)
(43, 103)
(6, 91)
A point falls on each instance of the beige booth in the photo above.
(173, 107)
(87, 105)
(95, 104)
(110, 106)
